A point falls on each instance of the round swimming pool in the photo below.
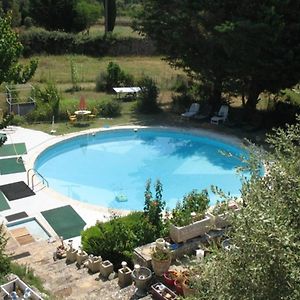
(110, 168)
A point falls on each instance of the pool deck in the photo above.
(45, 197)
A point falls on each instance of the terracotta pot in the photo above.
(170, 277)
(187, 290)
(160, 266)
(178, 287)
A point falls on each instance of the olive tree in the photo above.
(264, 260)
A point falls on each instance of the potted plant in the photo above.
(169, 277)
(188, 287)
(181, 277)
(161, 260)
(189, 217)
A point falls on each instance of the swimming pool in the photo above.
(33, 226)
(110, 168)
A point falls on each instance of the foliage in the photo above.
(110, 14)
(26, 274)
(154, 207)
(134, 230)
(266, 253)
(109, 108)
(230, 44)
(4, 259)
(87, 14)
(6, 121)
(147, 97)
(12, 7)
(114, 77)
(74, 76)
(220, 207)
(40, 41)
(192, 208)
(101, 238)
(10, 52)
(47, 103)
(66, 15)
(161, 253)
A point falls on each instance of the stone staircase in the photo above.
(67, 281)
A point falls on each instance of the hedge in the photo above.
(41, 41)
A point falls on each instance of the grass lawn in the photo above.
(119, 31)
(57, 68)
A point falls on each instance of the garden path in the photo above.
(66, 281)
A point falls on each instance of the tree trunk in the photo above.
(216, 95)
(253, 94)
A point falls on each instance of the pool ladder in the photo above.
(35, 173)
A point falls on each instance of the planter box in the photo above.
(182, 234)
(222, 220)
(106, 268)
(124, 276)
(161, 292)
(71, 255)
(19, 286)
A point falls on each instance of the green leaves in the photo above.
(10, 51)
(264, 264)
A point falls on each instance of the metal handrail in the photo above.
(36, 173)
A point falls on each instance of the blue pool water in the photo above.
(115, 165)
(33, 226)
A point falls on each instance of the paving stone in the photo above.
(67, 281)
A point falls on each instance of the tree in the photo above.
(110, 13)
(13, 7)
(264, 260)
(67, 15)
(87, 13)
(254, 45)
(4, 259)
(10, 51)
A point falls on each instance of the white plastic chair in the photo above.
(221, 115)
(194, 109)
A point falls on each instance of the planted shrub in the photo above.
(114, 240)
(154, 206)
(47, 104)
(39, 41)
(110, 108)
(195, 202)
(101, 82)
(113, 77)
(147, 97)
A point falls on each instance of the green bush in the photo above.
(40, 41)
(109, 108)
(194, 202)
(101, 82)
(18, 120)
(101, 238)
(113, 77)
(47, 104)
(147, 97)
(116, 239)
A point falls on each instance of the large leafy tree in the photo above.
(264, 260)
(67, 15)
(13, 7)
(255, 45)
(10, 52)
